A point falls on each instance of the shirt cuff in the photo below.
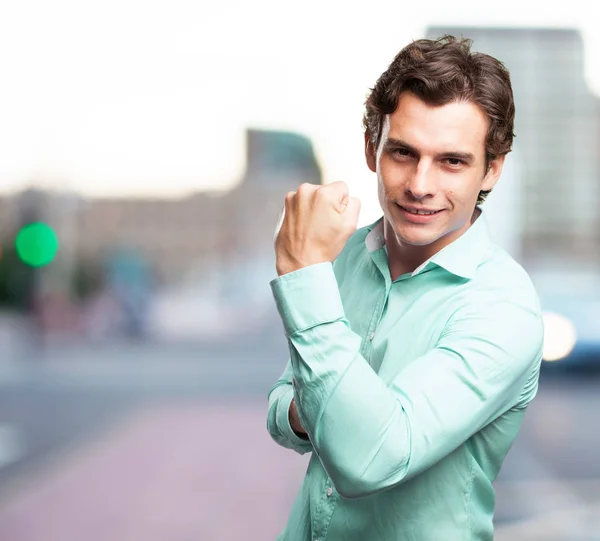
(283, 423)
(307, 297)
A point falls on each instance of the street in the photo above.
(168, 442)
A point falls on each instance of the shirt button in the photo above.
(329, 492)
(372, 336)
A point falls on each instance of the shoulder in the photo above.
(499, 315)
(501, 307)
(499, 277)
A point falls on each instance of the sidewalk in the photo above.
(193, 471)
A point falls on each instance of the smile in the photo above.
(416, 211)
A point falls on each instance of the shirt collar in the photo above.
(461, 257)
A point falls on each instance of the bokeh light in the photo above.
(560, 337)
(36, 244)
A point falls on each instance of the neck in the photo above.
(404, 258)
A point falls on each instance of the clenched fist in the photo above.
(317, 223)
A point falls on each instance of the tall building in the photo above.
(277, 162)
(557, 137)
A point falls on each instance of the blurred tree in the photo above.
(15, 280)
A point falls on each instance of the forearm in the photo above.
(346, 430)
(357, 426)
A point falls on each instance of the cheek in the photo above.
(381, 190)
(390, 177)
(464, 189)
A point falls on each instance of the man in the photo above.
(415, 343)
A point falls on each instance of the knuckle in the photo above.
(304, 188)
(321, 192)
(340, 186)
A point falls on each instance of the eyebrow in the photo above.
(467, 157)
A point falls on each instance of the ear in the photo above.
(493, 173)
(370, 154)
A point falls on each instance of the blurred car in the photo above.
(571, 306)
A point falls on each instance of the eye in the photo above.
(401, 152)
(454, 162)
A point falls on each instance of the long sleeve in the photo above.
(371, 435)
(278, 423)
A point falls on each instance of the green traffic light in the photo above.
(36, 244)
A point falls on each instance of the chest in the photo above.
(399, 322)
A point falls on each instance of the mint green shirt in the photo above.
(411, 391)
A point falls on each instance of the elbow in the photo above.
(354, 487)
(351, 484)
(300, 447)
(272, 427)
(279, 428)
(273, 423)
(290, 441)
(273, 430)
(359, 473)
(351, 489)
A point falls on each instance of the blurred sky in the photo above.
(132, 97)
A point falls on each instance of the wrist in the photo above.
(287, 266)
(295, 422)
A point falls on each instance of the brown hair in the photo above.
(439, 72)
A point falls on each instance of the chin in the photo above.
(417, 241)
(412, 237)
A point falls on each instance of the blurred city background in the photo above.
(145, 152)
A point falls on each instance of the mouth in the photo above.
(424, 212)
(419, 215)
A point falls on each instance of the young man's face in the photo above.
(431, 159)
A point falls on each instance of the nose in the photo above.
(421, 182)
